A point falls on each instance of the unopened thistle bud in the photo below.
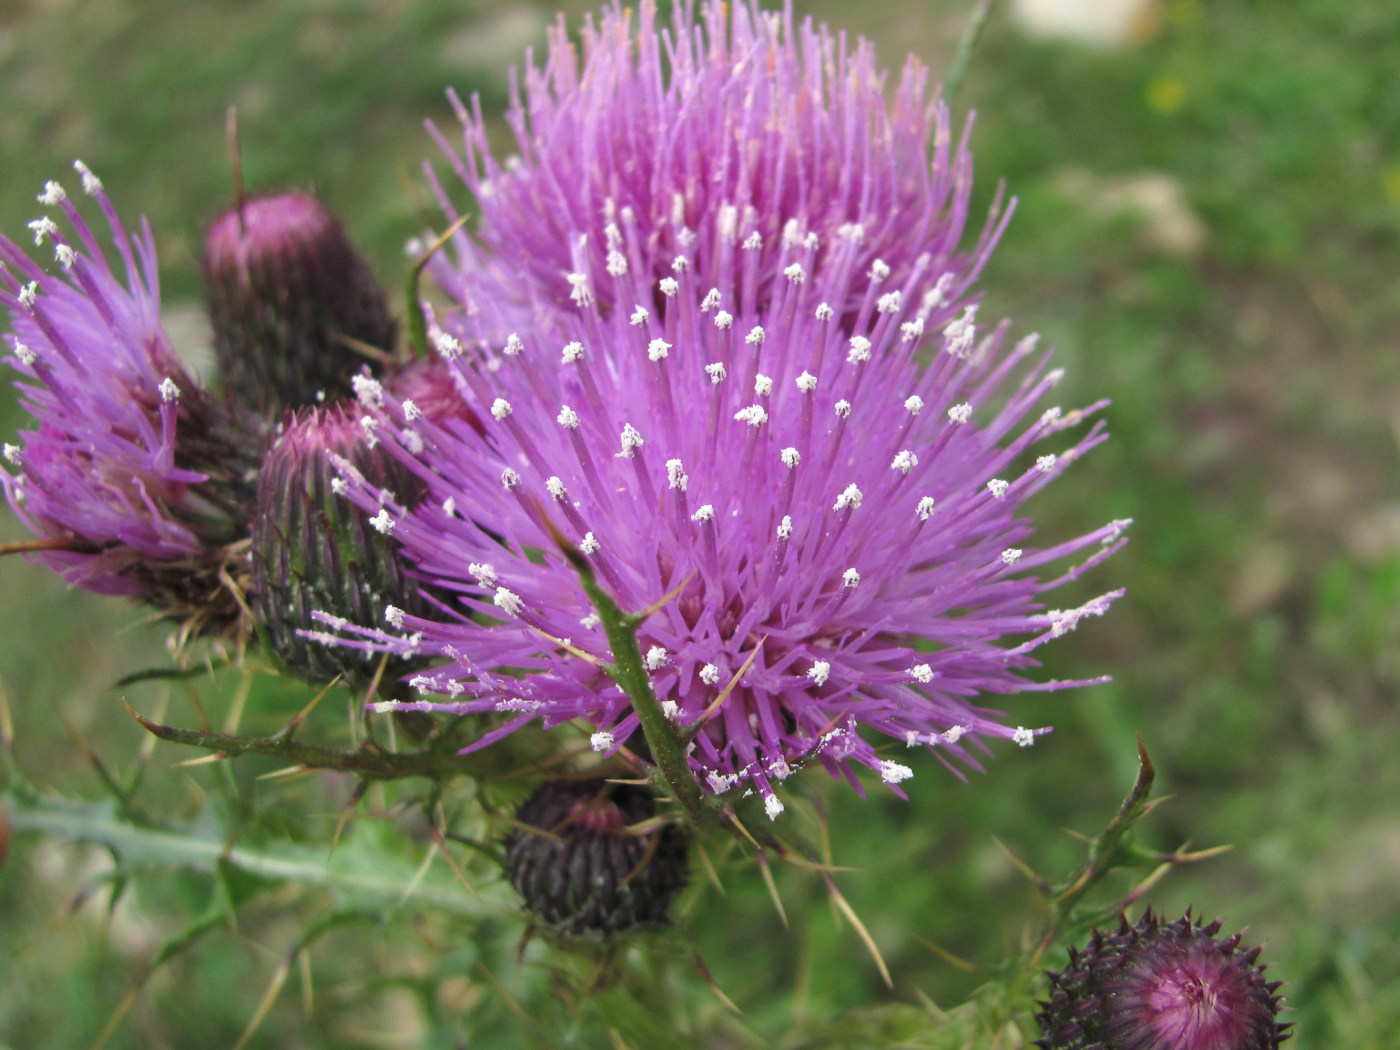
(581, 864)
(1162, 986)
(286, 291)
(314, 551)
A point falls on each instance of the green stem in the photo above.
(962, 55)
(629, 671)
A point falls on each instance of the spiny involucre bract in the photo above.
(744, 370)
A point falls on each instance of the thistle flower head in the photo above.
(135, 473)
(730, 139)
(584, 866)
(1162, 986)
(285, 289)
(809, 463)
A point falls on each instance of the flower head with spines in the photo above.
(817, 456)
(139, 479)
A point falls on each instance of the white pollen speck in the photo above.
(675, 474)
(755, 336)
(905, 461)
(29, 295)
(754, 415)
(914, 404)
(394, 615)
(671, 710)
(723, 319)
(631, 441)
(680, 264)
(53, 194)
(705, 513)
(850, 578)
(382, 522)
(601, 740)
(879, 270)
(92, 185)
(772, 805)
(791, 457)
(1010, 556)
(411, 440)
(819, 672)
(825, 312)
(657, 349)
(500, 408)
(617, 264)
(640, 315)
(1051, 416)
(370, 426)
(850, 497)
(168, 390)
(1023, 736)
(860, 350)
(890, 302)
(792, 233)
(893, 772)
(843, 408)
(14, 454)
(997, 487)
(572, 352)
(656, 658)
(795, 273)
(589, 544)
(513, 345)
(806, 382)
(785, 527)
(26, 356)
(567, 418)
(579, 291)
(921, 673)
(955, 734)
(709, 674)
(484, 574)
(449, 507)
(339, 486)
(448, 346)
(669, 286)
(925, 508)
(43, 227)
(960, 413)
(1045, 464)
(716, 372)
(507, 601)
(711, 300)
(753, 241)
(851, 231)
(367, 391)
(509, 478)
(911, 330)
(762, 386)
(555, 487)
(411, 412)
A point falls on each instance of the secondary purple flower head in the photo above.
(811, 448)
(136, 475)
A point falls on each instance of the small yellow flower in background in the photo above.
(1165, 94)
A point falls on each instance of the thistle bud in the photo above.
(581, 864)
(1156, 986)
(314, 551)
(431, 387)
(285, 289)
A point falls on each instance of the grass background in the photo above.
(1208, 230)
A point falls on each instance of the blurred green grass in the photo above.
(1207, 231)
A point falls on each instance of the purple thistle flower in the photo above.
(1162, 986)
(813, 447)
(139, 478)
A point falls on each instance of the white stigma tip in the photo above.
(843, 408)
(905, 461)
(572, 352)
(508, 602)
(711, 300)
(448, 346)
(960, 413)
(555, 487)
(640, 315)
(771, 804)
(675, 474)
(755, 336)
(1010, 556)
(785, 527)
(411, 412)
(168, 390)
(819, 672)
(631, 441)
(754, 415)
(53, 194)
(723, 319)
(850, 578)
(484, 574)
(656, 658)
(513, 346)
(825, 312)
(791, 457)
(500, 408)
(709, 674)
(42, 227)
(1045, 464)
(92, 185)
(1023, 736)
(567, 418)
(716, 372)
(997, 487)
(589, 544)
(890, 303)
(367, 391)
(879, 270)
(893, 772)
(509, 478)
(669, 286)
(860, 350)
(394, 615)
(914, 404)
(26, 356)
(762, 386)
(806, 382)
(14, 454)
(795, 273)
(850, 497)
(382, 522)
(925, 508)
(705, 513)
(921, 673)
(601, 741)
(657, 349)
(29, 295)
